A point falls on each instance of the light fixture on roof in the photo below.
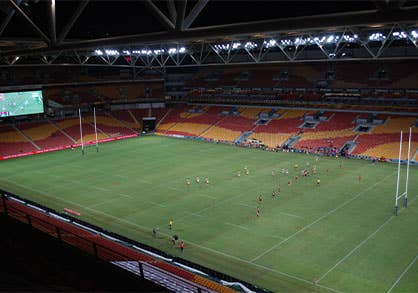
(330, 39)
(269, 44)
(111, 52)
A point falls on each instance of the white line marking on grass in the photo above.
(355, 249)
(247, 205)
(205, 195)
(359, 245)
(145, 181)
(104, 202)
(403, 273)
(122, 176)
(101, 188)
(277, 237)
(291, 215)
(175, 189)
(237, 226)
(320, 218)
(221, 253)
(195, 244)
(194, 214)
(157, 204)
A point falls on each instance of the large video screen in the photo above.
(21, 103)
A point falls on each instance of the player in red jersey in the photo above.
(360, 178)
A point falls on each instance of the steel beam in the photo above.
(159, 15)
(298, 24)
(71, 22)
(197, 8)
(52, 22)
(181, 14)
(8, 18)
(172, 10)
(211, 64)
(32, 24)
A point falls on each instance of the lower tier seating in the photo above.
(210, 122)
(40, 135)
(314, 144)
(271, 140)
(220, 133)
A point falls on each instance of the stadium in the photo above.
(209, 146)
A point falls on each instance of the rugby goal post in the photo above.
(96, 143)
(403, 195)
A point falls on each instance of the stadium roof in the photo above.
(50, 28)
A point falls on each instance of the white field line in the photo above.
(195, 244)
(321, 218)
(286, 214)
(403, 273)
(291, 215)
(247, 205)
(117, 193)
(205, 195)
(237, 226)
(104, 202)
(175, 189)
(101, 188)
(196, 215)
(355, 248)
(157, 204)
(277, 237)
(358, 246)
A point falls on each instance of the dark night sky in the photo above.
(112, 18)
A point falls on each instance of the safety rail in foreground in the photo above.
(95, 241)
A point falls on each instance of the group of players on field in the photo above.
(306, 172)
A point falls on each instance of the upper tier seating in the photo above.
(398, 75)
(90, 94)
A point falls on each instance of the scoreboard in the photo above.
(21, 103)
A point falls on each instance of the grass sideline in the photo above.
(341, 232)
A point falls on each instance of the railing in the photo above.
(96, 242)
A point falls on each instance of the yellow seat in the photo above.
(271, 140)
(220, 133)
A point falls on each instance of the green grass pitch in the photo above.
(342, 232)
